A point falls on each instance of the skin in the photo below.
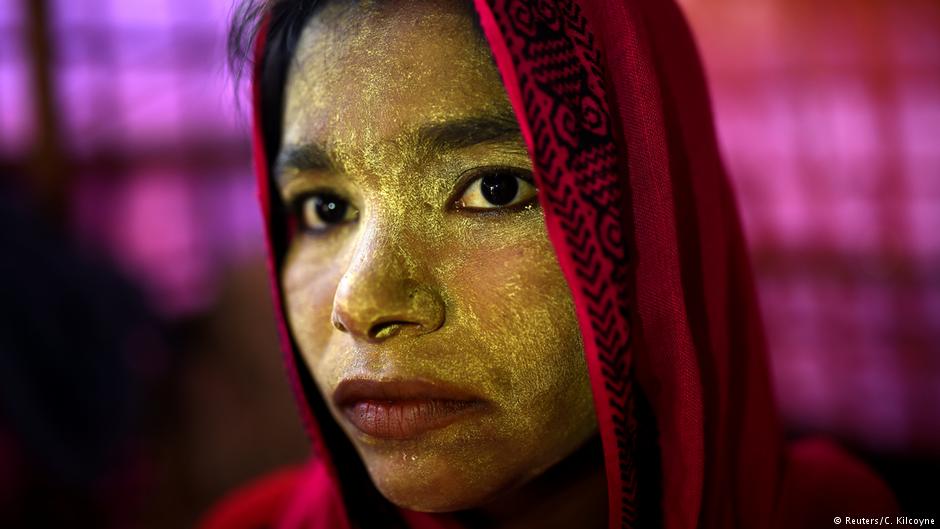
(423, 278)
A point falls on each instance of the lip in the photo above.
(403, 409)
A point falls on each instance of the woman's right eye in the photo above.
(318, 212)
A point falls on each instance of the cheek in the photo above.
(518, 303)
(309, 287)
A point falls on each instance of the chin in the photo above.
(432, 501)
(426, 499)
(430, 505)
(442, 488)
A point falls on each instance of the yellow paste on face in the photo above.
(483, 299)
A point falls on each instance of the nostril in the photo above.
(339, 325)
(386, 329)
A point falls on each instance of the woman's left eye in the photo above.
(497, 188)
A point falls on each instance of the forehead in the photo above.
(373, 72)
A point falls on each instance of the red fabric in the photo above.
(816, 468)
(255, 505)
(613, 106)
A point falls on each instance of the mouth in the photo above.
(403, 409)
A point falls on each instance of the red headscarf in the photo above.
(611, 99)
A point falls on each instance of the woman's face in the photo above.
(420, 284)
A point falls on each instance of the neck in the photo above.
(572, 493)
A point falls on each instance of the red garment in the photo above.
(612, 102)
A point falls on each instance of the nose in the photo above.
(382, 294)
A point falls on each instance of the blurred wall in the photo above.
(119, 124)
(829, 117)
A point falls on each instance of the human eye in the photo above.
(318, 211)
(496, 187)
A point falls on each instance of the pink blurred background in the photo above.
(829, 116)
(120, 126)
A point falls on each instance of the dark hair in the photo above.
(284, 21)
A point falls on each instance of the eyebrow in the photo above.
(462, 133)
(454, 134)
(305, 157)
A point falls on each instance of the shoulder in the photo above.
(267, 502)
(823, 481)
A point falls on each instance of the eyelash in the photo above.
(297, 204)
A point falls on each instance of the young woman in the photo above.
(511, 278)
